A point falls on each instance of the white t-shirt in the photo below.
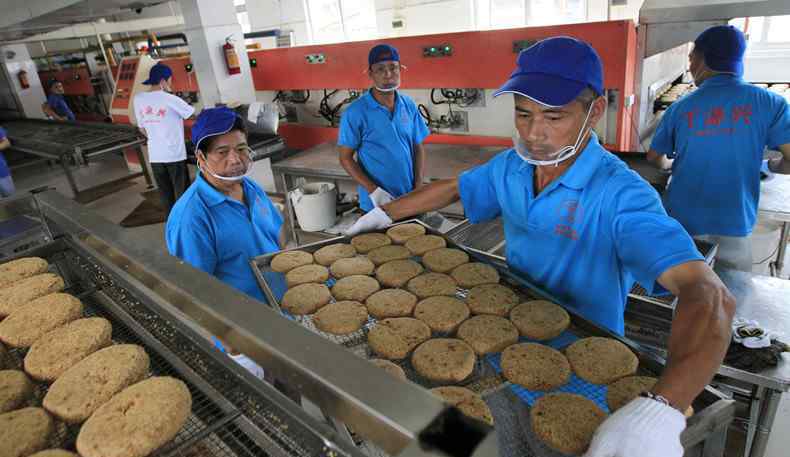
(162, 116)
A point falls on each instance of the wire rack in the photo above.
(218, 401)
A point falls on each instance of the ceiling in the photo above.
(25, 22)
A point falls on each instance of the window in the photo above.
(334, 21)
(551, 12)
(778, 29)
(769, 29)
(496, 14)
(244, 21)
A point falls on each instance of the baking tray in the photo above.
(509, 403)
(273, 286)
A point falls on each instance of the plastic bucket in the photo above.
(314, 204)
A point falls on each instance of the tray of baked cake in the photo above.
(464, 325)
(75, 377)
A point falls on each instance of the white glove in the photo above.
(380, 197)
(248, 364)
(375, 219)
(643, 428)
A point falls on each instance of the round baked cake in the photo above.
(432, 284)
(398, 272)
(403, 232)
(488, 334)
(287, 261)
(394, 338)
(535, 366)
(328, 255)
(419, 245)
(540, 319)
(566, 422)
(601, 360)
(444, 360)
(442, 314)
(474, 274)
(369, 241)
(493, 299)
(444, 260)
(391, 303)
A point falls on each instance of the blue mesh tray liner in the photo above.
(576, 385)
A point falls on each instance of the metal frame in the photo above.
(101, 139)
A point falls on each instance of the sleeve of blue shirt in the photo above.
(350, 134)
(664, 136)
(190, 240)
(779, 131)
(647, 240)
(275, 221)
(478, 192)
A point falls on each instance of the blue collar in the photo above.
(579, 174)
(372, 103)
(722, 79)
(212, 196)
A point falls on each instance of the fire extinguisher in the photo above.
(231, 58)
(22, 75)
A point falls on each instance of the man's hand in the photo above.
(643, 428)
(376, 219)
(380, 197)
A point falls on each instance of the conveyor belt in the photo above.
(226, 420)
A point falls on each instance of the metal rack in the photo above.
(75, 145)
(706, 430)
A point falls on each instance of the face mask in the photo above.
(387, 89)
(561, 155)
(207, 170)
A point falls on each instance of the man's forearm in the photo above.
(699, 339)
(357, 173)
(433, 196)
(660, 161)
(419, 166)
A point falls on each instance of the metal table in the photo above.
(775, 206)
(77, 143)
(766, 300)
(321, 162)
(761, 298)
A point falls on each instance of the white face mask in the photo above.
(559, 156)
(387, 89)
(207, 170)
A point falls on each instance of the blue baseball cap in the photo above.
(723, 47)
(383, 53)
(158, 72)
(554, 71)
(213, 122)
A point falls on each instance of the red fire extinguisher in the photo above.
(231, 58)
(22, 75)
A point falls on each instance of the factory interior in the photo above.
(355, 281)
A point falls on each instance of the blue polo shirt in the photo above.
(4, 171)
(587, 237)
(220, 235)
(385, 142)
(58, 104)
(717, 136)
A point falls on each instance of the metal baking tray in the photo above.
(489, 382)
(225, 420)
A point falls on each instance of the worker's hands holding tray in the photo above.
(644, 428)
(375, 219)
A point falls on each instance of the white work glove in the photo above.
(248, 364)
(642, 428)
(380, 197)
(375, 219)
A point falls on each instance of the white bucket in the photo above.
(314, 204)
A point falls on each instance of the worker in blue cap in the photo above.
(224, 219)
(56, 107)
(160, 116)
(385, 131)
(714, 140)
(584, 227)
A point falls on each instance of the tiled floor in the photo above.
(117, 206)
